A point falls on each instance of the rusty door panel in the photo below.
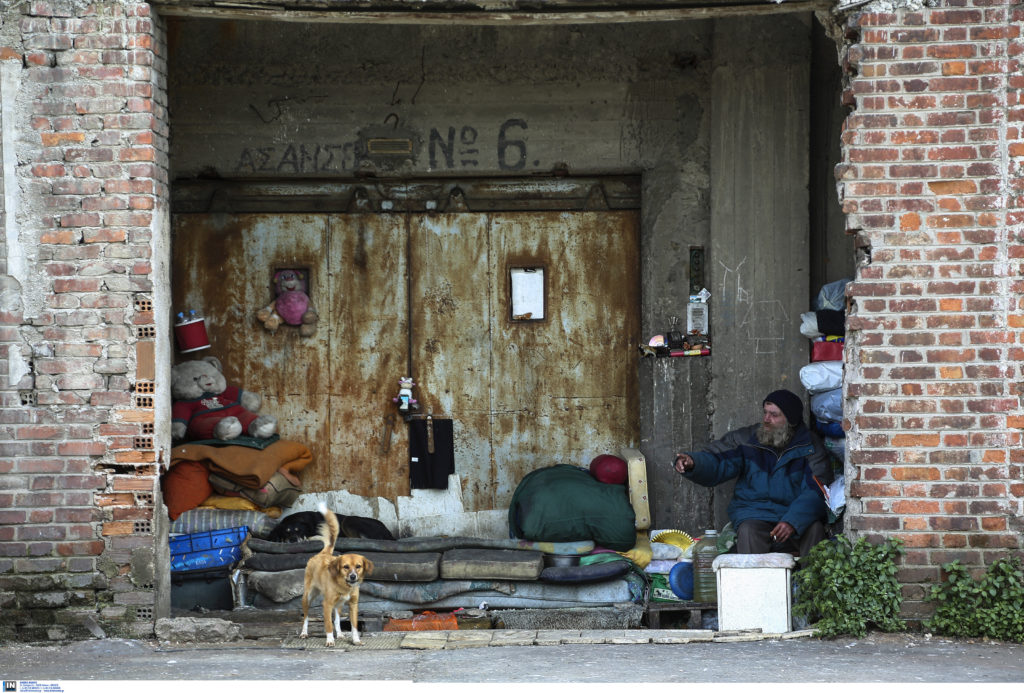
(451, 293)
(369, 353)
(525, 395)
(223, 265)
(565, 389)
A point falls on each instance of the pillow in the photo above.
(609, 469)
(185, 486)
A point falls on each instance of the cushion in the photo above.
(596, 572)
(637, 471)
(491, 564)
(403, 567)
(609, 469)
(185, 486)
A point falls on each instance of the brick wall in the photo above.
(932, 182)
(77, 327)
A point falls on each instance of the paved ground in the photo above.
(530, 657)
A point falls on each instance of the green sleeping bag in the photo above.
(565, 503)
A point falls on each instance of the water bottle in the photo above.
(705, 588)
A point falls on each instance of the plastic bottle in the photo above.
(705, 588)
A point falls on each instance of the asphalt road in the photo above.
(877, 658)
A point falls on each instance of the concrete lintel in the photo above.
(479, 12)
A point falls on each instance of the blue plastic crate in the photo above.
(207, 549)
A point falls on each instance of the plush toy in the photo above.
(291, 304)
(404, 399)
(206, 407)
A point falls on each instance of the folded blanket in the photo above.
(248, 466)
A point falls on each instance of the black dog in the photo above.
(303, 526)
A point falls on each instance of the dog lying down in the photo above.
(337, 578)
(303, 526)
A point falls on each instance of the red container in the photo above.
(191, 335)
(428, 620)
(826, 351)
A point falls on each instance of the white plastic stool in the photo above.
(754, 592)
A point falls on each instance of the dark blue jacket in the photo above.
(770, 486)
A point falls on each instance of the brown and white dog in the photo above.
(337, 578)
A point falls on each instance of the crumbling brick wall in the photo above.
(85, 181)
(932, 184)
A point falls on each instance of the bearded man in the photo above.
(776, 504)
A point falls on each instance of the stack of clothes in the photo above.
(823, 378)
(243, 474)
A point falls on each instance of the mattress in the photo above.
(444, 594)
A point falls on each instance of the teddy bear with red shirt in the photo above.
(205, 407)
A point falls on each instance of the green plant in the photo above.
(991, 607)
(846, 587)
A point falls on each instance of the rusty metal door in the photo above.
(331, 391)
(427, 295)
(526, 394)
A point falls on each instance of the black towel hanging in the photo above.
(431, 452)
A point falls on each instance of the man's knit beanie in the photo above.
(791, 405)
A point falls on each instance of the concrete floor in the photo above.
(582, 657)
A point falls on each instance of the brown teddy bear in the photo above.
(206, 407)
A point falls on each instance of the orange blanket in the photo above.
(249, 467)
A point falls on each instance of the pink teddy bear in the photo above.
(291, 305)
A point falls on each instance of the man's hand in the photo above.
(781, 532)
(684, 463)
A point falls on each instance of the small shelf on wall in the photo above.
(669, 352)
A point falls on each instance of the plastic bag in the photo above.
(832, 296)
(837, 495)
(829, 429)
(822, 376)
(809, 325)
(828, 405)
